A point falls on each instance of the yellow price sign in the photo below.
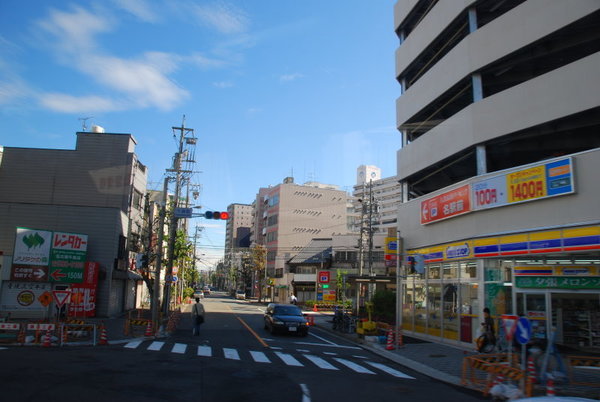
(527, 184)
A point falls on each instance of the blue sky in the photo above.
(271, 87)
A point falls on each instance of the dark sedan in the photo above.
(285, 318)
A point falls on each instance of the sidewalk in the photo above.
(442, 362)
(439, 361)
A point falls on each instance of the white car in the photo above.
(240, 294)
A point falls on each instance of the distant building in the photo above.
(95, 190)
(287, 217)
(238, 225)
(386, 198)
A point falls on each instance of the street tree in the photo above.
(258, 255)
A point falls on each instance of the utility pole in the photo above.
(159, 252)
(371, 202)
(179, 173)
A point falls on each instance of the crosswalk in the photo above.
(299, 358)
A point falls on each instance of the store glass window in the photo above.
(450, 270)
(420, 307)
(407, 306)
(469, 310)
(451, 322)
(467, 270)
(433, 271)
(434, 299)
(576, 318)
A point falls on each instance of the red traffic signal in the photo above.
(216, 215)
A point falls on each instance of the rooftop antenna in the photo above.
(84, 120)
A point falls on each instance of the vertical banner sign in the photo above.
(67, 260)
(83, 295)
(31, 255)
(446, 205)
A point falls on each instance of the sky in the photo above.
(272, 88)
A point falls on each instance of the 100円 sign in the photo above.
(558, 282)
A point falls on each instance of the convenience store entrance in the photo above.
(577, 320)
(575, 315)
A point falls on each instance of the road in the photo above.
(233, 359)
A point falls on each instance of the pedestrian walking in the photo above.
(197, 316)
(293, 299)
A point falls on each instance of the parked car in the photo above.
(206, 291)
(286, 318)
(199, 294)
(240, 294)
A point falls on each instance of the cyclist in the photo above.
(487, 341)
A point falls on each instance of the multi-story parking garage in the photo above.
(500, 120)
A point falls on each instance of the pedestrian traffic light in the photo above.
(216, 215)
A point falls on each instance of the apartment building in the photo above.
(82, 205)
(287, 217)
(499, 115)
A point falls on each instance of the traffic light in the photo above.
(216, 215)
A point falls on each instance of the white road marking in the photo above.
(354, 366)
(390, 370)
(289, 359)
(231, 354)
(204, 351)
(305, 393)
(179, 348)
(156, 345)
(303, 350)
(259, 357)
(321, 338)
(133, 345)
(321, 363)
(330, 345)
(330, 353)
(360, 357)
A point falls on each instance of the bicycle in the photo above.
(486, 342)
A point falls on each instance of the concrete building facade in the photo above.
(288, 216)
(499, 114)
(95, 190)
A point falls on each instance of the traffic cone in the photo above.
(550, 387)
(531, 370)
(21, 336)
(400, 339)
(47, 342)
(315, 309)
(103, 338)
(149, 329)
(390, 340)
(65, 335)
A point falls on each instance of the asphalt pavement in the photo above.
(437, 360)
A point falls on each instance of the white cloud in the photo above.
(290, 77)
(141, 82)
(223, 84)
(253, 110)
(139, 8)
(74, 31)
(77, 104)
(225, 18)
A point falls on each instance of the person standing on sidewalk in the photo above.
(293, 299)
(197, 316)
